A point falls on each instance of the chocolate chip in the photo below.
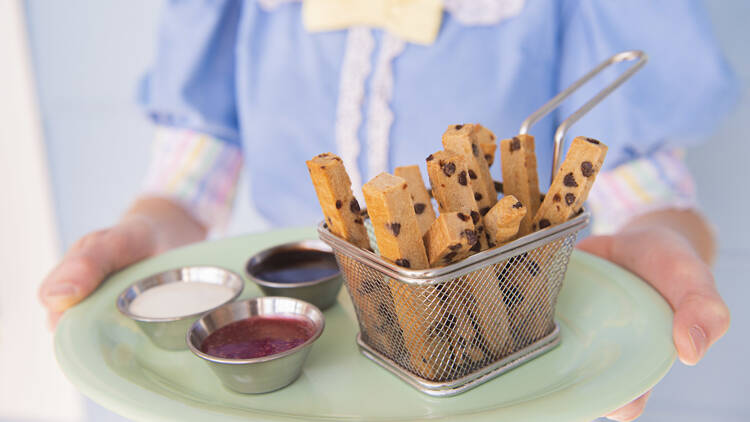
(395, 228)
(329, 221)
(487, 236)
(570, 198)
(337, 158)
(556, 198)
(475, 150)
(354, 206)
(484, 211)
(492, 137)
(518, 205)
(449, 169)
(474, 217)
(462, 178)
(403, 262)
(419, 208)
(511, 295)
(472, 175)
(455, 247)
(544, 223)
(570, 180)
(338, 204)
(359, 221)
(593, 141)
(325, 154)
(429, 192)
(429, 158)
(471, 236)
(515, 144)
(476, 248)
(449, 256)
(463, 216)
(325, 225)
(487, 157)
(480, 229)
(498, 187)
(533, 268)
(458, 127)
(322, 167)
(587, 169)
(477, 196)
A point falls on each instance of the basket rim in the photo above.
(441, 274)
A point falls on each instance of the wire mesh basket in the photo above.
(446, 330)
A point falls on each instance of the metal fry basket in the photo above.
(446, 330)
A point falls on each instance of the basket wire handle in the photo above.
(639, 56)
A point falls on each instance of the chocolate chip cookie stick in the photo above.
(450, 238)
(340, 207)
(572, 182)
(504, 220)
(520, 177)
(450, 180)
(462, 140)
(422, 203)
(394, 222)
(487, 142)
(448, 177)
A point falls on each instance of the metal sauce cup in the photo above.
(169, 333)
(321, 292)
(263, 374)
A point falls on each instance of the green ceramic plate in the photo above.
(616, 344)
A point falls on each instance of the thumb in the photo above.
(667, 262)
(91, 259)
(699, 321)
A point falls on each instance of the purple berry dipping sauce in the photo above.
(257, 336)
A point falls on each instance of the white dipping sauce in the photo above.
(179, 299)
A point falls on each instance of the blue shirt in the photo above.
(256, 78)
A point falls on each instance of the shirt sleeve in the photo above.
(197, 171)
(658, 181)
(674, 101)
(192, 84)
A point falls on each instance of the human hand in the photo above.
(90, 260)
(668, 260)
(151, 226)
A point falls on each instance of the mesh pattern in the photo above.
(453, 328)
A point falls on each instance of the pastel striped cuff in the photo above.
(198, 171)
(655, 182)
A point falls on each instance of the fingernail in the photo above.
(698, 339)
(59, 297)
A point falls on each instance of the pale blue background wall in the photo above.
(88, 57)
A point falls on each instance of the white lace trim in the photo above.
(269, 5)
(354, 71)
(483, 12)
(380, 116)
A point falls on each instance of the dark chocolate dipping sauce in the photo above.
(296, 267)
(257, 337)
